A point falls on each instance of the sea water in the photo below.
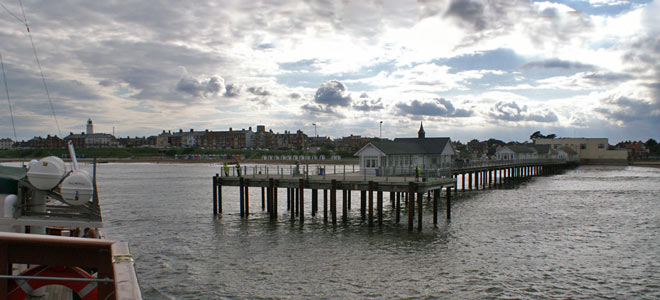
(589, 233)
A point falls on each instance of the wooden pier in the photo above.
(409, 189)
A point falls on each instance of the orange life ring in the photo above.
(21, 288)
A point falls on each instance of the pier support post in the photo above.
(219, 181)
(363, 205)
(420, 207)
(325, 205)
(288, 198)
(379, 207)
(371, 203)
(349, 198)
(247, 198)
(448, 203)
(411, 205)
(263, 198)
(269, 197)
(392, 199)
(398, 207)
(274, 204)
(344, 206)
(296, 206)
(215, 195)
(470, 180)
(476, 180)
(315, 201)
(301, 210)
(436, 195)
(463, 181)
(241, 196)
(333, 201)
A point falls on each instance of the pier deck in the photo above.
(408, 188)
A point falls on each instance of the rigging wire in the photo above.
(10, 13)
(43, 78)
(11, 112)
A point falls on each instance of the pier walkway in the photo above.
(397, 182)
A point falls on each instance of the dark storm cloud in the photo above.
(469, 12)
(332, 93)
(439, 108)
(201, 88)
(511, 111)
(259, 91)
(232, 90)
(557, 64)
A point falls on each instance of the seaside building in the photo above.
(89, 139)
(587, 149)
(524, 152)
(6, 143)
(403, 154)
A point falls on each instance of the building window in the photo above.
(601, 146)
(583, 146)
(434, 160)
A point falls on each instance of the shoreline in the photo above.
(347, 161)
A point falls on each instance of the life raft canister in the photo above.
(19, 289)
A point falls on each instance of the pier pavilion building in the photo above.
(404, 154)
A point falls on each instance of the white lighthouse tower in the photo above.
(90, 127)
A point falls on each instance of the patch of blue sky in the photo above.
(122, 92)
(610, 9)
(302, 77)
(499, 59)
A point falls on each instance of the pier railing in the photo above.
(442, 170)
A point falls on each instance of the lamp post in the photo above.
(315, 130)
(380, 129)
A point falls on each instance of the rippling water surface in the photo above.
(589, 233)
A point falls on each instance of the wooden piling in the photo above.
(398, 207)
(288, 198)
(219, 182)
(448, 203)
(436, 195)
(392, 200)
(333, 201)
(470, 180)
(263, 198)
(363, 205)
(296, 205)
(315, 200)
(420, 207)
(379, 207)
(325, 205)
(269, 198)
(371, 203)
(349, 199)
(411, 204)
(463, 181)
(274, 205)
(241, 196)
(247, 198)
(215, 195)
(301, 211)
(344, 206)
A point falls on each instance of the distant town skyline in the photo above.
(467, 69)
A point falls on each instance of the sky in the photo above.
(467, 69)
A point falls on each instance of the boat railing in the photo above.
(116, 278)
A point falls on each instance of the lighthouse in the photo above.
(90, 127)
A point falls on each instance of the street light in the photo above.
(315, 129)
(381, 129)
